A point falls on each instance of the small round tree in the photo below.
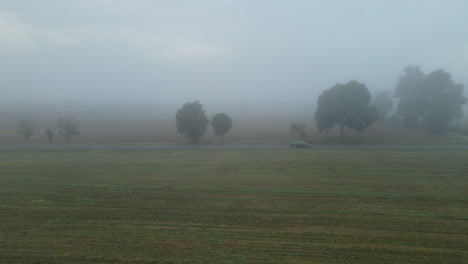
(221, 123)
(192, 121)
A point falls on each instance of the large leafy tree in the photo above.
(433, 99)
(192, 121)
(221, 124)
(345, 105)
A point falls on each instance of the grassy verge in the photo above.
(233, 206)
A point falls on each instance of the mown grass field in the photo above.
(234, 206)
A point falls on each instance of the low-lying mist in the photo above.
(155, 123)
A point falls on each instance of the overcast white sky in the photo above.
(221, 50)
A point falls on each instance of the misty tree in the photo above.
(383, 102)
(345, 105)
(50, 135)
(26, 129)
(299, 129)
(410, 90)
(67, 127)
(192, 121)
(221, 124)
(432, 100)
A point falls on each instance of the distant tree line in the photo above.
(66, 127)
(432, 100)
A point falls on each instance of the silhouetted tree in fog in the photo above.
(299, 129)
(345, 105)
(26, 129)
(384, 103)
(67, 128)
(410, 90)
(192, 121)
(50, 135)
(221, 124)
(432, 99)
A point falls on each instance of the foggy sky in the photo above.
(221, 51)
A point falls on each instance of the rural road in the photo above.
(204, 147)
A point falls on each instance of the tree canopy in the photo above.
(192, 121)
(345, 105)
(221, 124)
(431, 99)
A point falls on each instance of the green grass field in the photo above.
(234, 206)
